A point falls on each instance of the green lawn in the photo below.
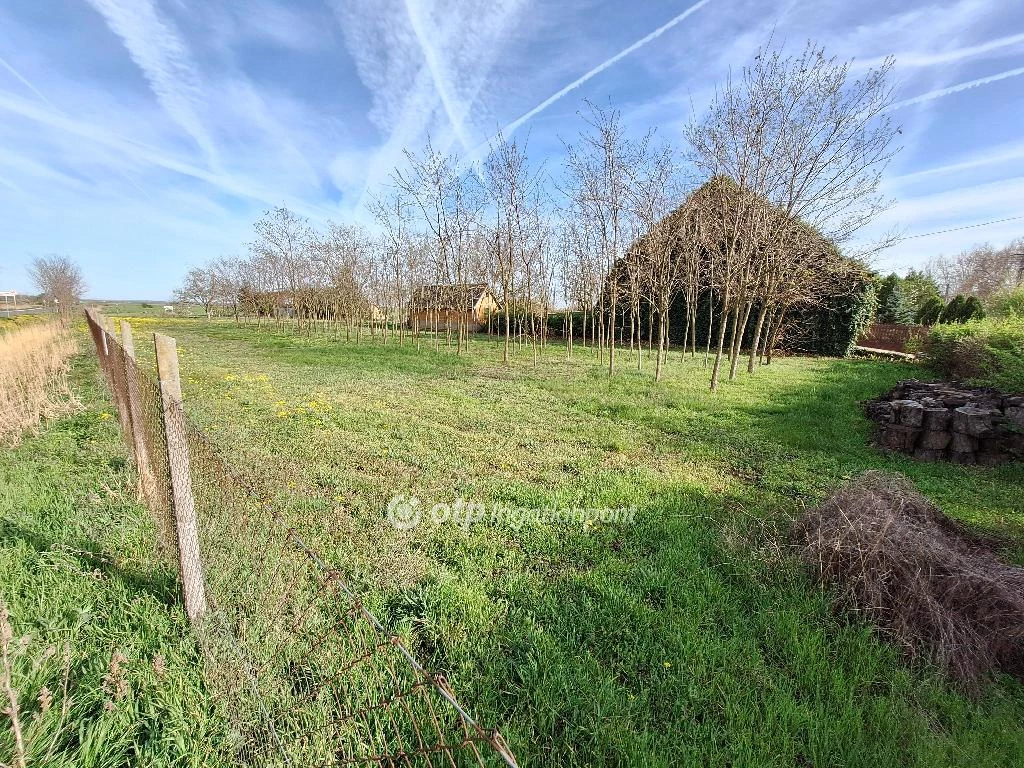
(79, 576)
(687, 637)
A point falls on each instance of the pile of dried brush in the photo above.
(931, 585)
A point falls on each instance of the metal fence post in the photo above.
(147, 483)
(181, 478)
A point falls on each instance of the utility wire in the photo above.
(967, 226)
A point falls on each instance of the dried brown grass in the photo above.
(34, 363)
(932, 586)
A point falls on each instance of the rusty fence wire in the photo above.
(303, 672)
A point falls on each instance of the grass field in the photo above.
(103, 630)
(687, 637)
(14, 322)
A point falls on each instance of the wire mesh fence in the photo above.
(303, 672)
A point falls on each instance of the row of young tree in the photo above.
(782, 169)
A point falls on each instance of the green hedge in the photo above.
(832, 329)
(986, 352)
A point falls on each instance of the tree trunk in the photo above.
(774, 337)
(711, 325)
(738, 335)
(720, 350)
(662, 324)
(611, 339)
(568, 339)
(754, 348)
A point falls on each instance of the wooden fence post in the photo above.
(147, 482)
(103, 335)
(181, 478)
(120, 393)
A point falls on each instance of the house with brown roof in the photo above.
(449, 306)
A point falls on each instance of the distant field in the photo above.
(688, 637)
(133, 308)
(17, 320)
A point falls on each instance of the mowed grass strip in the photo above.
(106, 670)
(687, 637)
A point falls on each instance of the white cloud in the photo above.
(511, 127)
(158, 49)
(957, 88)
(927, 58)
(945, 210)
(268, 99)
(425, 66)
(25, 81)
(1000, 155)
(281, 24)
(150, 156)
(962, 205)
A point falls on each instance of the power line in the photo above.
(967, 226)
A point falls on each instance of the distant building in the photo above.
(444, 307)
(9, 297)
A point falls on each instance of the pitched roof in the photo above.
(460, 298)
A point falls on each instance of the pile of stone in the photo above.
(949, 422)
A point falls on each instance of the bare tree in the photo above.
(450, 201)
(200, 286)
(598, 169)
(658, 263)
(398, 252)
(59, 282)
(581, 275)
(799, 137)
(515, 195)
(983, 270)
(283, 246)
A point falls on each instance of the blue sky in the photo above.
(142, 137)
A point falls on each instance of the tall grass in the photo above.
(34, 363)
